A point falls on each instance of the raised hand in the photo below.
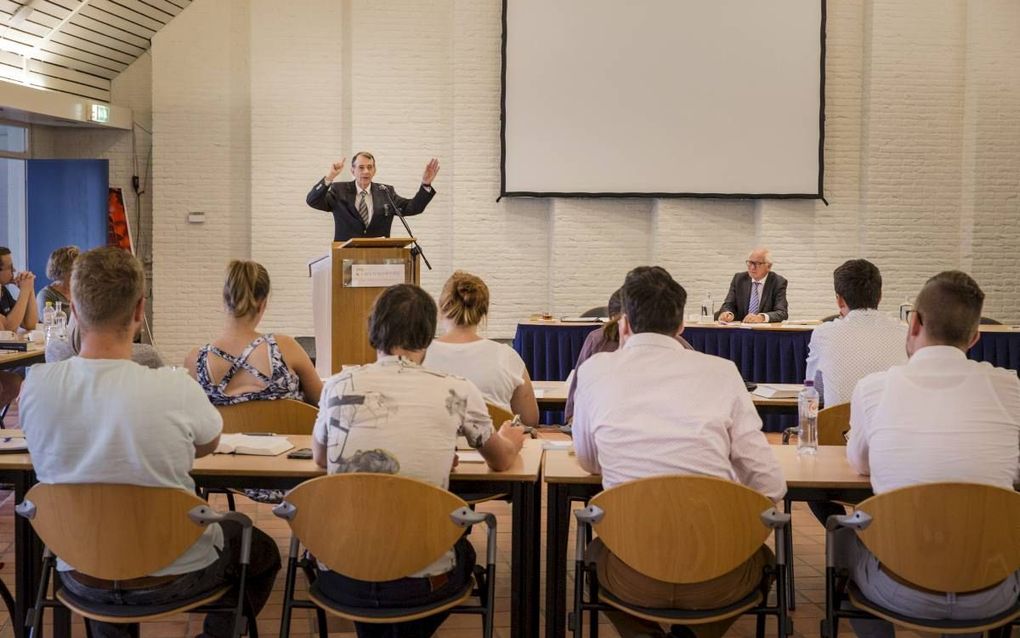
(334, 169)
(430, 172)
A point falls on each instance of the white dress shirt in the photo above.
(844, 351)
(940, 417)
(654, 408)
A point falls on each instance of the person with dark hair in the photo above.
(939, 417)
(495, 368)
(363, 208)
(861, 341)
(243, 364)
(653, 408)
(101, 418)
(395, 416)
(20, 312)
(604, 339)
(757, 295)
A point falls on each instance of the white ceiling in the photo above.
(77, 46)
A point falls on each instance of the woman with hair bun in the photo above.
(243, 364)
(496, 369)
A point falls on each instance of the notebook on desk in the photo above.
(253, 445)
(777, 390)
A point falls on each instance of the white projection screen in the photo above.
(714, 98)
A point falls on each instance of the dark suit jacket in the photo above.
(340, 199)
(773, 297)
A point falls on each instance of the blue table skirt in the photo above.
(762, 356)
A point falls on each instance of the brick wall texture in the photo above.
(250, 101)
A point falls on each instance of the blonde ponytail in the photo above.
(246, 287)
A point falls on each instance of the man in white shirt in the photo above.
(101, 418)
(939, 417)
(654, 408)
(861, 341)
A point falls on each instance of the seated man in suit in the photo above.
(939, 417)
(653, 408)
(101, 418)
(362, 208)
(758, 295)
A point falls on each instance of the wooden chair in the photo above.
(402, 526)
(944, 537)
(498, 415)
(282, 416)
(122, 532)
(710, 526)
(833, 426)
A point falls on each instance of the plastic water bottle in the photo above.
(59, 327)
(47, 318)
(807, 410)
(707, 309)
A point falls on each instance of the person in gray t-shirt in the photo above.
(60, 349)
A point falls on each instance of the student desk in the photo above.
(554, 397)
(520, 482)
(14, 359)
(827, 475)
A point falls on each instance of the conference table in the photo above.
(823, 476)
(520, 483)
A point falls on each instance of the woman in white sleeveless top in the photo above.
(496, 369)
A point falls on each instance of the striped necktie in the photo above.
(363, 208)
(755, 298)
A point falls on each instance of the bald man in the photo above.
(757, 295)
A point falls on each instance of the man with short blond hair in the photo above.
(101, 418)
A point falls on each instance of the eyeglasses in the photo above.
(755, 264)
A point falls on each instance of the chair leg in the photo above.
(791, 591)
(578, 615)
(230, 501)
(759, 626)
(288, 600)
(35, 615)
(593, 597)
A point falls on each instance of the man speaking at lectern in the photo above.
(362, 208)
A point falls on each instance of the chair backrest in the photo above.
(282, 416)
(115, 532)
(597, 311)
(947, 537)
(682, 529)
(833, 423)
(374, 527)
(498, 415)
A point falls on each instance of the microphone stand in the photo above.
(417, 247)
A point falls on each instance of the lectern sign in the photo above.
(376, 275)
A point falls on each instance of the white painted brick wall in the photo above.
(251, 101)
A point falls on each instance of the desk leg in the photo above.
(557, 529)
(525, 560)
(27, 559)
(28, 567)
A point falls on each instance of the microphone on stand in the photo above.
(399, 213)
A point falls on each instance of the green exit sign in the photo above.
(100, 113)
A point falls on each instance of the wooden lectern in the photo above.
(345, 283)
